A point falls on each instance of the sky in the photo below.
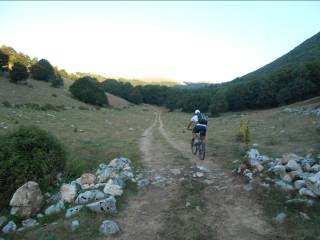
(195, 41)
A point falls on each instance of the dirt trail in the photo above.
(229, 208)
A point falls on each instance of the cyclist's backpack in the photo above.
(202, 119)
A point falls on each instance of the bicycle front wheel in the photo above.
(202, 151)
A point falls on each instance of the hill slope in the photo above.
(309, 50)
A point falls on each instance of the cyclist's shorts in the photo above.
(200, 128)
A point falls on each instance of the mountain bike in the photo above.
(198, 146)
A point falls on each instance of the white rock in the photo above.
(299, 184)
(175, 171)
(292, 165)
(107, 205)
(112, 189)
(73, 211)
(87, 179)
(287, 178)
(280, 218)
(109, 228)
(10, 227)
(55, 208)
(307, 192)
(90, 196)
(29, 223)
(75, 225)
(68, 193)
(27, 200)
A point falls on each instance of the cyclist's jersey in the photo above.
(194, 119)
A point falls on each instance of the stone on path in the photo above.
(27, 200)
(142, 183)
(109, 227)
(175, 171)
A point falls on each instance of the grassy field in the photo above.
(91, 136)
(276, 132)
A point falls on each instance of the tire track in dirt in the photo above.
(143, 216)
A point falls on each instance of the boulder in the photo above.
(27, 200)
(29, 223)
(120, 163)
(315, 168)
(292, 165)
(112, 189)
(55, 208)
(10, 227)
(279, 170)
(73, 211)
(87, 179)
(299, 184)
(107, 205)
(127, 175)
(284, 186)
(75, 224)
(287, 178)
(117, 180)
(300, 202)
(68, 192)
(104, 173)
(290, 156)
(90, 196)
(109, 228)
(307, 192)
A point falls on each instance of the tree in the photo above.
(56, 81)
(42, 70)
(4, 60)
(88, 90)
(19, 72)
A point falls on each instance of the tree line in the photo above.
(286, 85)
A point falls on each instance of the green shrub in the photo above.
(19, 72)
(29, 153)
(6, 104)
(42, 70)
(243, 134)
(56, 81)
(88, 90)
(4, 60)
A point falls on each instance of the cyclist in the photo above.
(199, 122)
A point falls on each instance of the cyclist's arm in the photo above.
(189, 125)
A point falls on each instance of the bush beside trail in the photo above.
(42, 70)
(29, 153)
(19, 72)
(88, 90)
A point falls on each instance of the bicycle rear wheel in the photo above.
(194, 148)
(202, 151)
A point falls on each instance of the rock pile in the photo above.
(304, 111)
(96, 192)
(291, 173)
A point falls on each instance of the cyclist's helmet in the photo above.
(197, 111)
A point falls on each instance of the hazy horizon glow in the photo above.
(185, 41)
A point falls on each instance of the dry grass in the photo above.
(91, 137)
